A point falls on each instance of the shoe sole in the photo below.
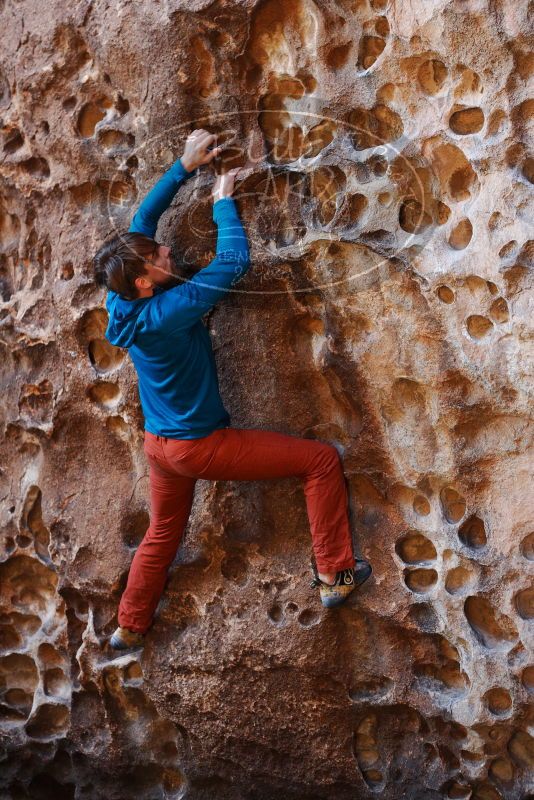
(118, 644)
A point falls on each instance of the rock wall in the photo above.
(388, 310)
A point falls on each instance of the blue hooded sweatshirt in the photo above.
(167, 341)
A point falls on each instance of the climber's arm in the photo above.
(196, 153)
(182, 306)
(159, 199)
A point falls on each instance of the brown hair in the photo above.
(121, 260)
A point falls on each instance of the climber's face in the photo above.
(160, 269)
(161, 265)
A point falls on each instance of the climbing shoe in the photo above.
(124, 639)
(345, 582)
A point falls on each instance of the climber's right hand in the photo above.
(196, 151)
(224, 184)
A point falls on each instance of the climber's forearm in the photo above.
(159, 198)
(187, 163)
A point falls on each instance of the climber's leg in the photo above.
(243, 454)
(171, 498)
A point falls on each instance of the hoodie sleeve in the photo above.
(181, 306)
(159, 199)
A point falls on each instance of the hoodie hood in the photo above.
(124, 315)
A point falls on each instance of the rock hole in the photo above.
(326, 184)
(413, 218)
(133, 674)
(472, 533)
(9, 229)
(122, 105)
(356, 206)
(32, 520)
(367, 752)
(477, 286)
(69, 103)
(458, 579)
(371, 47)
(452, 504)
(49, 721)
(415, 548)
(117, 425)
(527, 547)
(91, 114)
(338, 56)
(524, 603)
(527, 679)
(431, 75)
(445, 294)
(502, 769)
(115, 141)
(460, 183)
(420, 580)
(275, 614)
(17, 626)
(36, 166)
(374, 127)
(447, 677)
(493, 630)
(521, 748)
(421, 505)
(104, 356)
(55, 683)
(308, 617)
(527, 170)
(407, 395)
(499, 311)
(119, 193)
(467, 121)
(14, 141)
(478, 326)
(371, 689)
(135, 527)
(443, 213)
(10, 638)
(461, 234)
(104, 394)
(318, 138)
(235, 569)
(498, 701)
(32, 585)
(48, 656)
(67, 271)
(19, 679)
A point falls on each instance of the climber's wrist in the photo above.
(187, 165)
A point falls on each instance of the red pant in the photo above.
(232, 454)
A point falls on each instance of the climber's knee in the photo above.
(329, 456)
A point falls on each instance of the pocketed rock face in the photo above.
(388, 310)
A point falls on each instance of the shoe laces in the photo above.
(344, 577)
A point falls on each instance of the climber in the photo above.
(157, 315)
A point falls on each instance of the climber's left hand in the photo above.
(196, 151)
